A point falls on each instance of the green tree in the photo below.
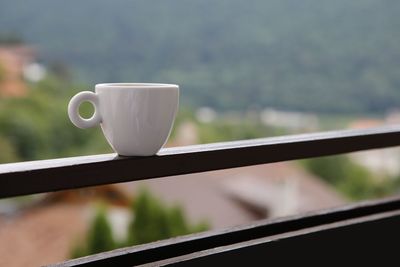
(7, 154)
(154, 221)
(151, 221)
(2, 72)
(351, 179)
(100, 236)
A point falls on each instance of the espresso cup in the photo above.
(136, 118)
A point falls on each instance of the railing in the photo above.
(232, 246)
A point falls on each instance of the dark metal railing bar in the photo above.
(185, 245)
(24, 178)
(361, 240)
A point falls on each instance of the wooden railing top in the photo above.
(24, 178)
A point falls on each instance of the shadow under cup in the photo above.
(136, 118)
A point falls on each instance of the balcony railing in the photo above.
(359, 232)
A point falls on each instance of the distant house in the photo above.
(112, 194)
(15, 60)
(236, 196)
(45, 231)
(381, 162)
(365, 123)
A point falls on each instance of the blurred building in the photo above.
(17, 64)
(46, 230)
(241, 195)
(383, 163)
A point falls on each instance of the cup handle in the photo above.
(73, 110)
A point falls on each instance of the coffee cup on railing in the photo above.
(136, 118)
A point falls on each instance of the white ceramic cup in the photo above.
(136, 118)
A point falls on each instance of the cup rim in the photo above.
(136, 85)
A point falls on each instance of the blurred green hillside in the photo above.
(314, 55)
(37, 126)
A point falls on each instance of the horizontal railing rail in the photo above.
(227, 245)
(24, 178)
(355, 242)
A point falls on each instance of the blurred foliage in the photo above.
(37, 126)
(2, 72)
(100, 236)
(351, 179)
(10, 38)
(326, 56)
(226, 130)
(151, 221)
(154, 221)
(7, 154)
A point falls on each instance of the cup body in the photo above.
(136, 118)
